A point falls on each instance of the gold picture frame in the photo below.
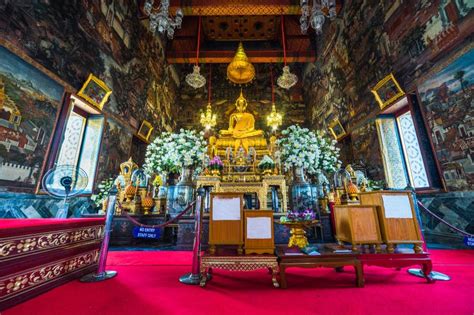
(95, 91)
(387, 91)
(337, 130)
(145, 130)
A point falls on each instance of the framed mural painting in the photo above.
(29, 105)
(446, 96)
(387, 91)
(145, 130)
(95, 91)
(337, 130)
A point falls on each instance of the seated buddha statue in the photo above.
(241, 123)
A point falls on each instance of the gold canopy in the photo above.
(240, 70)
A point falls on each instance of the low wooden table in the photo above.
(288, 259)
(234, 262)
(399, 259)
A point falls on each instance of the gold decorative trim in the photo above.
(101, 84)
(27, 280)
(392, 99)
(33, 243)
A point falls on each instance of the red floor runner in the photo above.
(147, 284)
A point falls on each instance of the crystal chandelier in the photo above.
(160, 20)
(208, 119)
(287, 79)
(196, 79)
(275, 119)
(321, 9)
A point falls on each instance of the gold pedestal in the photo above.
(298, 234)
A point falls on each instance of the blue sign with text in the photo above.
(144, 232)
(469, 241)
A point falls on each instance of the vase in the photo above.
(186, 177)
(215, 172)
(299, 176)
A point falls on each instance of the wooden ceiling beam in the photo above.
(270, 56)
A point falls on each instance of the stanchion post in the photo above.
(194, 276)
(101, 273)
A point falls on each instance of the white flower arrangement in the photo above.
(299, 148)
(328, 160)
(170, 152)
(266, 163)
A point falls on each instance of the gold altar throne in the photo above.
(241, 147)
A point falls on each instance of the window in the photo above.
(403, 159)
(80, 142)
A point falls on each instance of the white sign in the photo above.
(225, 209)
(397, 207)
(259, 228)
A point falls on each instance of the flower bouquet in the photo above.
(299, 149)
(173, 152)
(266, 165)
(297, 221)
(215, 165)
(328, 160)
(104, 187)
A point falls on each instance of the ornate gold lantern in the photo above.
(240, 70)
(208, 119)
(275, 119)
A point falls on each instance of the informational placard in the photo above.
(259, 228)
(469, 241)
(397, 207)
(144, 232)
(226, 209)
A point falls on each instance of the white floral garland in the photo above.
(170, 152)
(303, 148)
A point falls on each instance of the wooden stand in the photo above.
(358, 225)
(259, 235)
(226, 221)
(397, 218)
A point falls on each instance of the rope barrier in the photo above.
(134, 221)
(422, 206)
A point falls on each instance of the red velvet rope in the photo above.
(443, 221)
(209, 92)
(271, 78)
(283, 39)
(134, 221)
(198, 41)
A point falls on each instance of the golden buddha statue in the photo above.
(241, 123)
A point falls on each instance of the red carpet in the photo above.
(147, 284)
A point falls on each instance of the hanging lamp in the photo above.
(240, 70)
(195, 79)
(287, 79)
(275, 119)
(208, 119)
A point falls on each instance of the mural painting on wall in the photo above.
(115, 149)
(448, 102)
(371, 40)
(366, 151)
(29, 102)
(102, 37)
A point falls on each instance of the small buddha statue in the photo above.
(241, 123)
(212, 148)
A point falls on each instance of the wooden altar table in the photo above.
(233, 262)
(288, 259)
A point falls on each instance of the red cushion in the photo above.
(12, 227)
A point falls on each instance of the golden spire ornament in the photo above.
(240, 70)
(208, 119)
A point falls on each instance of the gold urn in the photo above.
(240, 70)
(148, 203)
(130, 191)
(352, 191)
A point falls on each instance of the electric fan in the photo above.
(65, 181)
